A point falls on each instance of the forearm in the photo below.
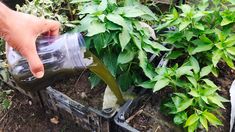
(5, 14)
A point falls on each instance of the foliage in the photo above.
(115, 32)
(62, 10)
(2, 47)
(203, 36)
(4, 94)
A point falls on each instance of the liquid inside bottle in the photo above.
(61, 56)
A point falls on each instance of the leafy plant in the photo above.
(202, 36)
(116, 32)
(63, 11)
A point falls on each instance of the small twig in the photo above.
(133, 116)
(157, 129)
(80, 77)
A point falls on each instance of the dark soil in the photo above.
(79, 89)
(150, 118)
(26, 117)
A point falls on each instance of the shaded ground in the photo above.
(24, 116)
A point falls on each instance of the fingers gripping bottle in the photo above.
(59, 55)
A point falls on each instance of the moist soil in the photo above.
(150, 118)
(78, 88)
(27, 116)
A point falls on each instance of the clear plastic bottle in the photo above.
(59, 55)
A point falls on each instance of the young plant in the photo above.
(194, 102)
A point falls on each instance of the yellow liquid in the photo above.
(102, 72)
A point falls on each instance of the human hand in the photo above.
(21, 34)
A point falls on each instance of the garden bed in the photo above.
(79, 89)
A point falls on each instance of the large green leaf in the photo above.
(131, 11)
(201, 46)
(183, 70)
(231, 50)
(174, 54)
(183, 25)
(99, 42)
(103, 5)
(228, 61)
(117, 19)
(110, 61)
(210, 83)
(205, 71)
(124, 38)
(212, 118)
(184, 104)
(204, 123)
(147, 84)
(216, 57)
(180, 118)
(161, 84)
(214, 99)
(194, 64)
(96, 28)
(94, 80)
(191, 120)
(145, 65)
(126, 56)
(125, 80)
(193, 81)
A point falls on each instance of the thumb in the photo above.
(35, 63)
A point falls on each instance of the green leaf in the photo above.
(194, 93)
(226, 21)
(99, 42)
(161, 84)
(201, 46)
(216, 57)
(229, 61)
(112, 26)
(212, 118)
(131, 11)
(215, 100)
(147, 84)
(188, 35)
(184, 105)
(103, 5)
(183, 25)
(137, 41)
(180, 118)
(125, 80)
(193, 127)
(183, 70)
(194, 64)
(199, 26)
(220, 35)
(155, 45)
(110, 61)
(205, 71)
(126, 56)
(94, 80)
(193, 81)
(204, 123)
(124, 38)
(117, 19)
(145, 65)
(96, 28)
(174, 54)
(191, 120)
(6, 104)
(231, 50)
(209, 83)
